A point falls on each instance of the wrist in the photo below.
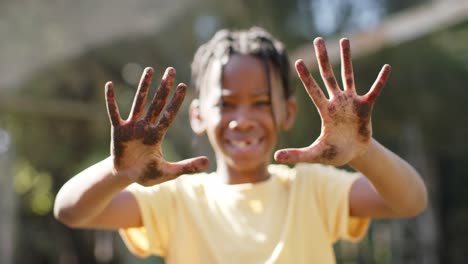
(117, 178)
(364, 157)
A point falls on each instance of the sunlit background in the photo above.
(55, 57)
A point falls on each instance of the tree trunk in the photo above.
(421, 233)
(8, 203)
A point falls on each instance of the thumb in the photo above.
(188, 166)
(316, 153)
(291, 155)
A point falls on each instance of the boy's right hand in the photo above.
(136, 142)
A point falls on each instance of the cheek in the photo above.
(269, 118)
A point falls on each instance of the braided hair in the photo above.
(254, 41)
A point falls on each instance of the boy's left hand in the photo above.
(346, 116)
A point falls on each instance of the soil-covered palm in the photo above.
(346, 116)
(136, 142)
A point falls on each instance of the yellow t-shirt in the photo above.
(293, 217)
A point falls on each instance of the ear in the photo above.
(291, 110)
(196, 121)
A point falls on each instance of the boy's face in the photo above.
(238, 115)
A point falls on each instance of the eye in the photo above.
(225, 104)
(262, 103)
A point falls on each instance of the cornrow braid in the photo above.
(254, 41)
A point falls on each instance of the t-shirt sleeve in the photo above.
(331, 187)
(155, 205)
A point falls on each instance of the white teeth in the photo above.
(244, 144)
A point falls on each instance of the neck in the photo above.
(234, 175)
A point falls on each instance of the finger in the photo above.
(311, 85)
(188, 166)
(324, 153)
(325, 67)
(379, 84)
(159, 99)
(111, 104)
(172, 109)
(347, 73)
(290, 156)
(141, 94)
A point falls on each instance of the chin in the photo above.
(247, 163)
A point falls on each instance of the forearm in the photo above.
(397, 182)
(88, 193)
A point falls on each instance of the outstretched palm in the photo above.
(136, 142)
(346, 116)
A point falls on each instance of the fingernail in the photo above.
(149, 70)
(282, 156)
(204, 162)
(344, 41)
(170, 71)
(181, 87)
(318, 40)
(302, 68)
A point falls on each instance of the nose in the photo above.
(241, 121)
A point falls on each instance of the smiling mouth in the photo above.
(244, 144)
